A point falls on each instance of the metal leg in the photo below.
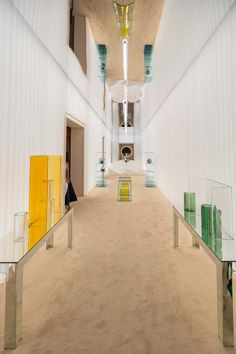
(13, 306)
(50, 242)
(176, 230)
(70, 230)
(194, 242)
(224, 305)
(234, 300)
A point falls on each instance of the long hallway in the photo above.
(123, 289)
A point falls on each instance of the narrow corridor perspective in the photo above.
(123, 289)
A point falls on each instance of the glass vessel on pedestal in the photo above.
(149, 163)
(124, 189)
(101, 170)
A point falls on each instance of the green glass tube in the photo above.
(217, 227)
(190, 217)
(190, 208)
(189, 201)
(206, 218)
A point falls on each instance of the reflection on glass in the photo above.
(190, 208)
(217, 227)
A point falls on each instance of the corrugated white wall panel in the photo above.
(195, 125)
(37, 89)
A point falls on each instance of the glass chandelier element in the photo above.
(124, 14)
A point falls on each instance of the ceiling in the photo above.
(103, 22)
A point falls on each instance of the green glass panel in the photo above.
(206, 218)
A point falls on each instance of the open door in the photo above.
(75, 154)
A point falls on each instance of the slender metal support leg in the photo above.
(70, 230)
(50, 242)
(13, 306)
(234, 300)
(194, 242)
(176, 230)
(224, 306)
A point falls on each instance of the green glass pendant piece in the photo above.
(206, 218)
(190, 208)
(217, 227)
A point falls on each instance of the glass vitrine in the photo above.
(207, 206)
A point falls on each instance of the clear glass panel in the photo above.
(21, 226)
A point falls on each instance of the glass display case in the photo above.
(101, 170)
(124, 189)
(207, 206)
(149, 163)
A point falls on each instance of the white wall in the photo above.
(85, 103)
(189, 109)
(41, 81)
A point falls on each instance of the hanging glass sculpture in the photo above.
(124, 14)
(148, 62)
(102, 56)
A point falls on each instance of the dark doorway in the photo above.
(75, 155)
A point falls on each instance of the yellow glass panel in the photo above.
(124, 185)
(38, 195)
(124, 191)
(55, 175)
(124, 198)
(45, 195)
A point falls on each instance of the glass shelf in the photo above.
(12, 251)
(207, 207)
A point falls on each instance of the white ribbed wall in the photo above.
(41, 81)
(189, 110)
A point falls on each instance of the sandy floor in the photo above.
(123, 289)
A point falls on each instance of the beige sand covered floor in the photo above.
(123, 289)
